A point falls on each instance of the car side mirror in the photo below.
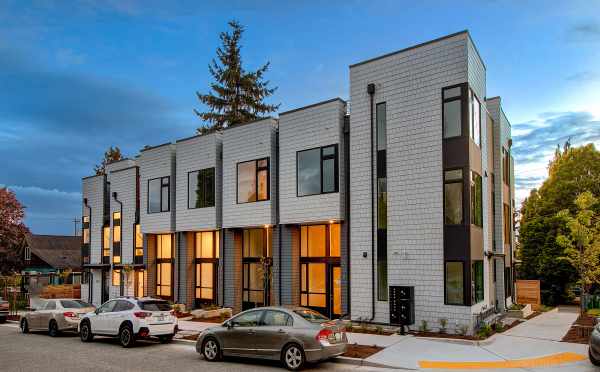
(97, 311)
(229, 325)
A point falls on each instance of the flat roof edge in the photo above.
(312, 105)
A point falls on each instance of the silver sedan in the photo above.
(294, 335)
(55, 315)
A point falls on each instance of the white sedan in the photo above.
(130, 319)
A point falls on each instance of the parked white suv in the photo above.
(129, 319)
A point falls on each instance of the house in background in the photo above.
(52, 259)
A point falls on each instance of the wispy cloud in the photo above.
(583, 77)
(588, 31)
(535, 142)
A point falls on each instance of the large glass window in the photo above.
(140, 280)
(477, 275)
(455, 283)
(207, 255)
(256, 262)
(453, 197)
(476, 200)
(505, 167)
(139, 244)
(201, 188)
(317, 170)
(507, 223)
(86, 229)
(164, 265)
(85, 248)
(117, 237)
(320, 273)
(452, 101)
(253, 181)
(475, 118)
(158, 195)
(116, 278)
(106, 245)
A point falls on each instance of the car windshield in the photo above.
(154, 305)
(74, 304)
(311, 315)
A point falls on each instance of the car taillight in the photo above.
(324, 334)
(70, 314)
(142, 314)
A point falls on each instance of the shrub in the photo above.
(485, 331)
(379, 330)
(349, 327)
(594, 312)
(423, 326)
(443, 325)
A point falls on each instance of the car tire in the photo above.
(594, 361)
(165, 339)
(126, 336)
(293, 357)
(53, 330)
(85, 332)
(24, 326)
(211, 350)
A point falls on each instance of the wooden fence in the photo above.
(528, 292)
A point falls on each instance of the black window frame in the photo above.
(476, 195)
(463, 99)
(162, 186)
(481, 291)
(322, 159)
(105, 249)
(214, 261)
(464, 287)
(462, 203)
(116, 246)
(212, 188)
(164, 261)
(472, 98)
(257, 171)
(137, 259)
(85, 247)
(266, 260)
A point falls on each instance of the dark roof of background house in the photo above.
(57, 251)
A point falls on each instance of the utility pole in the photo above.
(75, 222)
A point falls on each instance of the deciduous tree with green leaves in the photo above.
(572, 171)
(110, 156)
(581, 240)
(238, 95)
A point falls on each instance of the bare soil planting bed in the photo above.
(361, 351)
(580, 330)
(216, 320)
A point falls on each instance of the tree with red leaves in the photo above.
(12, 232)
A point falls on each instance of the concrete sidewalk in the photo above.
(528, 345)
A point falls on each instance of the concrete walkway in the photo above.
(528, 345)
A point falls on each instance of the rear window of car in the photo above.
(74, 304)
(311, 315)
(154, 305)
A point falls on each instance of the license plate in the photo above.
(160, 318)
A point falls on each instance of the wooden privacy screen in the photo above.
(528, 292)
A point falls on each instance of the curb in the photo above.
(366, 363)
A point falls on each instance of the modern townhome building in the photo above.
(393, 208)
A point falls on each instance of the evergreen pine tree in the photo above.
(237, 95)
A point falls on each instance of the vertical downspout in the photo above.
(371, 91)
(279, 229)
(346, 131)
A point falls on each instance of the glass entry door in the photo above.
(256, 267)
(320, 271)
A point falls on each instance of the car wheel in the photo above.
(594, 361)
(293, 357)
(165, 339)
(126, 336)
(211, 350)
(53, 328)
(85, 332)
(24, 326)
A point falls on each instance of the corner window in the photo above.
(476, 200)
(477, 274)
(253, 181)
(158, 194)
(455, 283)
(475, 118)
(452, 111)
(201, 188)
(317, 171)
(453, 197)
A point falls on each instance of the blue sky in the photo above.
(77, 77)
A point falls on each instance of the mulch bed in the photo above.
(190, 337)
(361, 351)
(216, 319)
(580, 330)
(465, 337)
(369, 331)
